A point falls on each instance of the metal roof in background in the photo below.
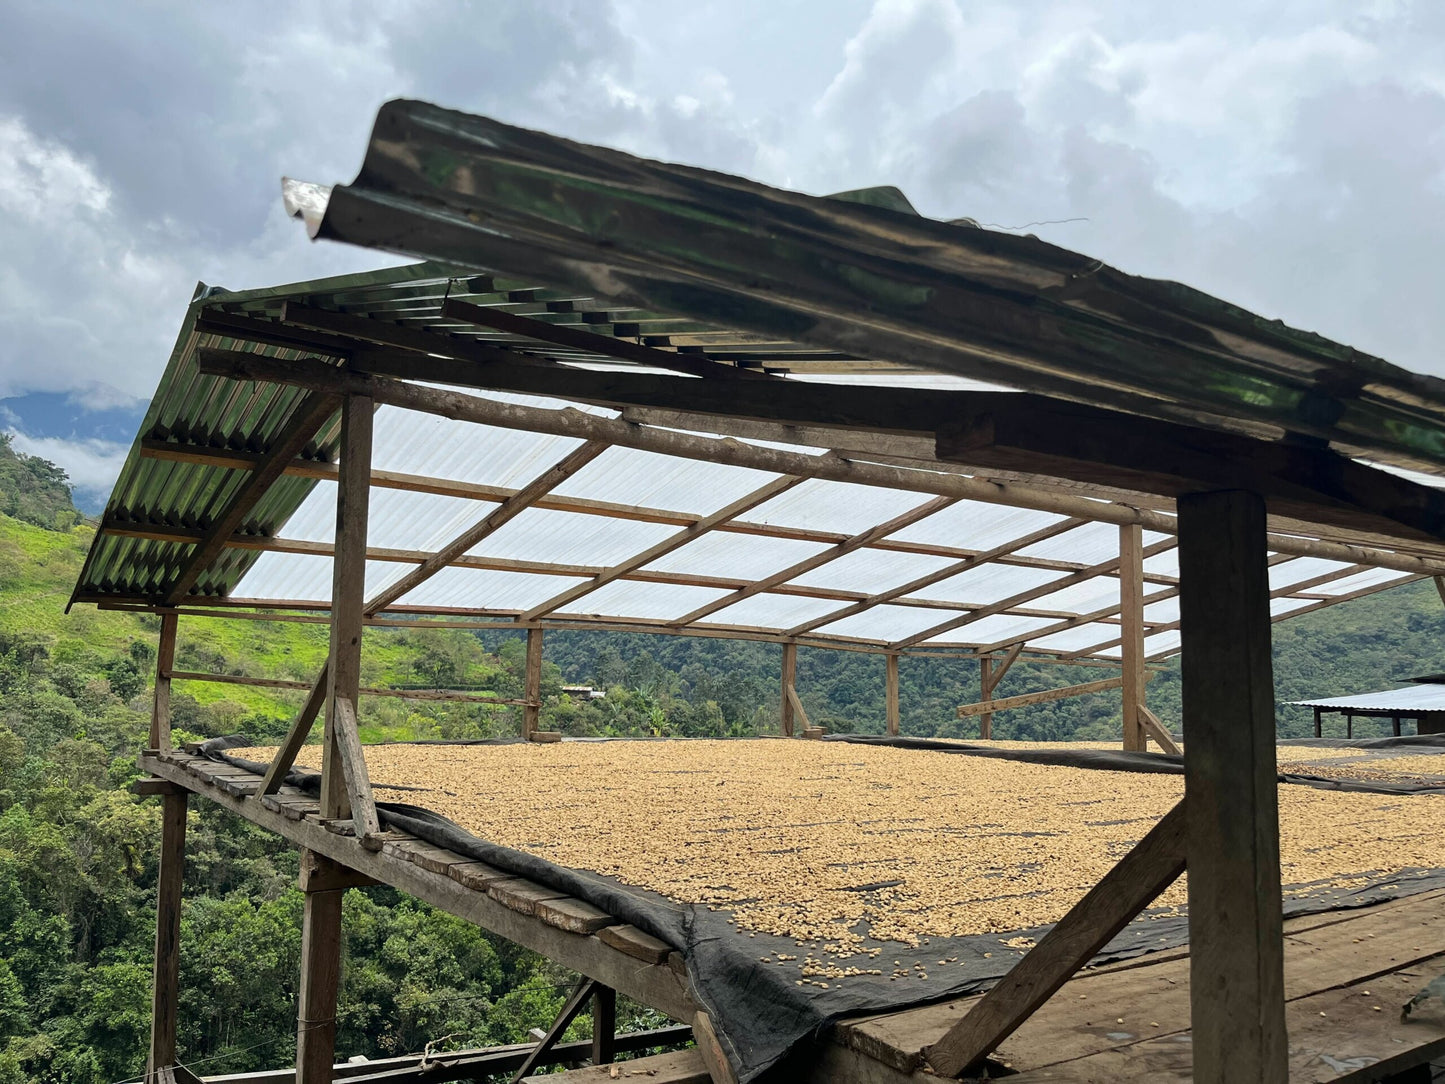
(1407, 701)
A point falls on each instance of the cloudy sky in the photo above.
(1289, 159)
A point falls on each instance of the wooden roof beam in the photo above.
(308, 415)
(842, 549)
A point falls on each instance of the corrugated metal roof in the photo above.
(1408, 700)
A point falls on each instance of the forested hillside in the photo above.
(77, 849)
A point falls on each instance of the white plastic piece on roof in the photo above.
(888, 622)
(1301, 569)
(638, 598)
(307, 578)
(571, 538)
(1163, 564)
(1088, 544)
(742, 556)
(990, 583)
(974, 525)
(768, 610)
(1115, 652)
(1370, 577)
(396, 518)
(411, 442)
(1163, 612)
(1161, 643)
(1085, 597)
(990, 630)
(486, 589)
(1077, 638)
(875, 570)
(839, 507)
(651, 480)
(1278, 606)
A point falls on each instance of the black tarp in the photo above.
(762, 1013)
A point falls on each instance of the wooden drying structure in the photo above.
(813, 346)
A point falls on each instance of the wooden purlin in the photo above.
(988, 707)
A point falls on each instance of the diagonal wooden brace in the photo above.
(1154, 863)
(296, 737)
(353, 766)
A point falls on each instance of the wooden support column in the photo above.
(160, 735)
(165, 986)
(1235, 926)
(1319, 728)
(532, 713)
(1131, 639)
(604, 1025)
(320, 973)
(985, 694)
(891, 680)
(790, 673)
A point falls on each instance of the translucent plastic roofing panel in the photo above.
(1164, 642)
(889, 622)
(486, 589)
(629, 476)
(636, 598)
(873, 570)
(741, 556)
(307, 578)
(1092, 594)
(1371, 577)
(990, 583)
(1163, 564)
(1301, 569)
(571, 538)
(1077, 638)
(990, 630)
(772, 611)
(396, 518)
(411, 442)
(1087, 544)
(1279, 606)
(1163, 612)
(973, 525)
(836, 506)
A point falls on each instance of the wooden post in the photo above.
(348, 594)
(1131, 638)
(790, 672)
(985, 694)
(1318, 726)
(604, 1025)
(532, 713)
(320, 975)
(165, 986)
(891, 679)
(1236, 952)
(1349, 724)
(160, 735)
(1395, 719)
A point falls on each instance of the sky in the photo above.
(1288, 157)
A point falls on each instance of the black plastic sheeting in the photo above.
(764, 1016)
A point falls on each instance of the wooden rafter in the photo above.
(1003, 605)
(309, 415)
(808, 564)
(988, 707)
(673, 542)
(508, 510)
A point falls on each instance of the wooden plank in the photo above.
(309, 415)
(488, 525)
(890, 679)
(1150, 867)
(1131, 634)
(286, 683)
(160, 732)
(719, 1067)
(297, 733)
(522, 895)
(426, 855)
(604, 1025)
(984, 707)
(797, 704)
(574, 916)
(546, 736)
(475, 875)
(790, 671)
(320, 979)
(353, 765)
(1230, 787)
(166, 976)
(636, 943)
(1158, 733)
(532, 713)
(321, 874)
(678, 1067)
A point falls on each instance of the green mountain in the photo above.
(77, 849)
